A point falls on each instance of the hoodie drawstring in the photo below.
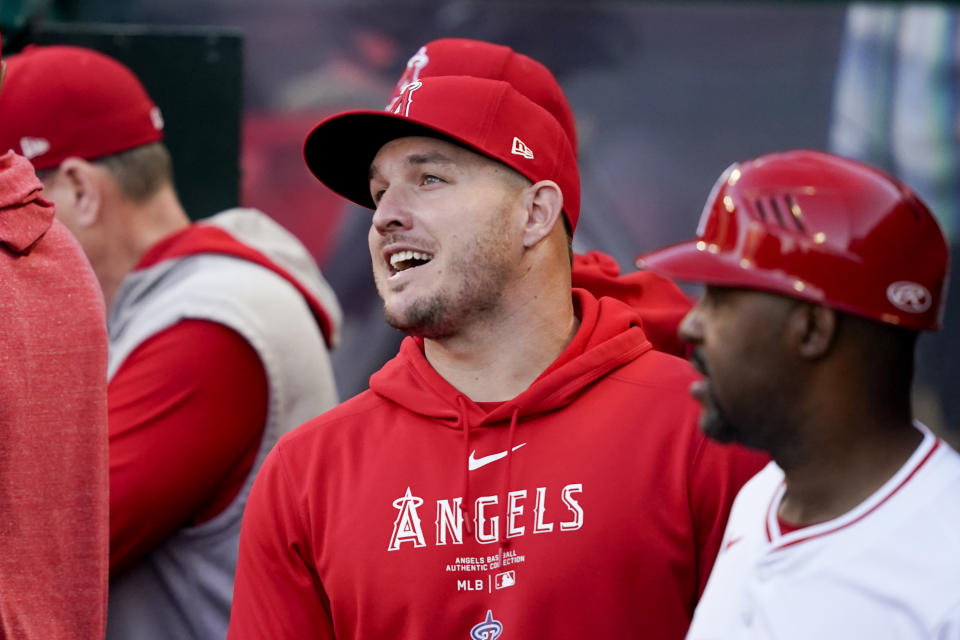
(503, 541)
(465, 426)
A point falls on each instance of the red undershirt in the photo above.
(788, 527)
(186, 414)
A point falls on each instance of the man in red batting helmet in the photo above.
(820, 273)
(53, 423)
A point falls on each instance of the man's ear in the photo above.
(544, 205)
(86, 185)
(812, 330)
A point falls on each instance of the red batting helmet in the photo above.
(818, 227)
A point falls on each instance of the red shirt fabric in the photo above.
(588, 506)
(187, 409)
(53, 423)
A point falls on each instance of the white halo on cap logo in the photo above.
(33, 147)
(415, 64)
(909, 296)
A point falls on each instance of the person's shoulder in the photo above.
(658, 370)
(342, 421)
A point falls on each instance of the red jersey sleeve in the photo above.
(187, 410)
(716, 475)
(277, 593)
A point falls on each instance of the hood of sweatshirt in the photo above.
(25, 216)
(609, 336)
(252, 235)
(659, 302)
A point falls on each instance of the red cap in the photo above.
(486, 116)
(822, 228)
(63, 101)
(478, 59)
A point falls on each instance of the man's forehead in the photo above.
(416, 150)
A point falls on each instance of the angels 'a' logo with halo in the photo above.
(489, 629)
(405, 101)
(415, 64)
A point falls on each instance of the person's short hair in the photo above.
(140, 172)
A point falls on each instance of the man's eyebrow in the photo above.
(433, 157)
(426, 158)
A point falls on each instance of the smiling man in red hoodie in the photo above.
(527, 465)
(658, 301)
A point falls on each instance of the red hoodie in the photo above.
(53, 422)
(659, 302)
(589, 506)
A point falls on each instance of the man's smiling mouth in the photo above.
(403, 260)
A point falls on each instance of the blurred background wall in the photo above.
(666, 96)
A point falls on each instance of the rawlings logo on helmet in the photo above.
(909, 296)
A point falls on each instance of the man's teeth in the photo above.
(402, 260)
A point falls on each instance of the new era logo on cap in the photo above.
(520, 149)
(33, 147)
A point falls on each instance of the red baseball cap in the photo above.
(486, 116)
(64, 101)
(478, 59)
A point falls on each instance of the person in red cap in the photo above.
(820, 274)
(485, 484)
(218, 334)
(659, 302)
(53, 421)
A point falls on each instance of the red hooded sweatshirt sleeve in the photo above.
(53, 422)
(588, 506)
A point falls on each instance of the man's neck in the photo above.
(496, 360)
(846, 467)
(139, 227)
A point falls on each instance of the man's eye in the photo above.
(430, 179)
(377, 195)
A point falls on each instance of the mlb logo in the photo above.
(504, 580)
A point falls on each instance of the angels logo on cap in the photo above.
(415, 65)
(403, 102)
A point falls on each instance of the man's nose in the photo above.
(393, 211)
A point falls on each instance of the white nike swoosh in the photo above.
(475, 463)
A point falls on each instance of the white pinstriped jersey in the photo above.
(887, 569)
